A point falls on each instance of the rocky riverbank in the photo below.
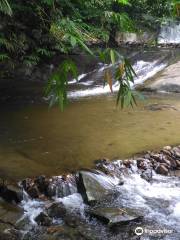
(90, 204)
(168, 81)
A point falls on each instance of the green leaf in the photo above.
(73, 41)
(5, 7)
(112, 56)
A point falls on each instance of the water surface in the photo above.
(35, 140)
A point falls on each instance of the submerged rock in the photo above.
(112, 215)
(160, 107)
(95, 186)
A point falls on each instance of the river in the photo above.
(35, 140)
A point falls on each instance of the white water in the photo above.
(170, 33)
(143, 69)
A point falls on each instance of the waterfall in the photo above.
(170, 33)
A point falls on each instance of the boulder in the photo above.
(56, 210)
(178, 164)
(95, 186)
(176, 151)
(147, 175)
(11, 194)
(160, 107)
(43, 220)
(33, 191)
(42, 184)
(161, 169)
(113, 215)
(167, 148)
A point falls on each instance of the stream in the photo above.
(35, 140)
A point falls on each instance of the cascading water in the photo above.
(158, 201)
(91, 83)
(170, 33)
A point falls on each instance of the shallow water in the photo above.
(35, 140)
(158, 202)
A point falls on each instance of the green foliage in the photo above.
(57, 85)
(124, 74)
(32, 31)
(5, 7)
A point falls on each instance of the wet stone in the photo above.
(33, 192)
(11, 194)
(176, 151)
(112, 215)
(161, 169)
(56, 210)
(42, 184)
(147, 175)
(95, 186)
(43, 219)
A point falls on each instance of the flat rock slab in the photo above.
(112, 215)
(168, 81)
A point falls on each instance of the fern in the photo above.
(31, 60)
(44, 52)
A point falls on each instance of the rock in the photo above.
(72, 220)
(51, 190)
(103, 165)
(161, 169)
(43, 220)
(167, 148)
(112, 215)
(160, 107)
(26, 183)
(173, 163)
(33, 192)
(53, 229)
(161, 158)
(147, 175)
(178, 164)
(176, 152)
(127, 163)
(11, 234)
(10, 195)
(143, 163)
(95, 186)
(166, 152)
(137, 39)
(62, 186)
(56, 210)
(168, 81)
(42, 184)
